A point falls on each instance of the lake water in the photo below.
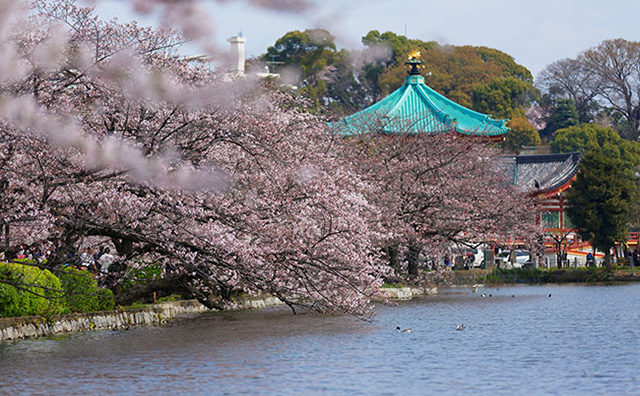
(583, 340)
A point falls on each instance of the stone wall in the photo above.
(466, 278)
(36, 326)
(406, 293)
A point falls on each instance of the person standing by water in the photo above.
(512, 258)
(590, 261)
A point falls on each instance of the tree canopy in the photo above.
(570, 80)
(502, 97)
(521, 134)
(563, 115)
(603, 140)
(231, 188)
(455, 71)
(603, 82)
(602, 200)
(109, 138)
(311, 51)
(481, 78)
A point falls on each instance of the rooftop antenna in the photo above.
(406, 55)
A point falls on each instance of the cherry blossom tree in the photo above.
(230, 188)
(440, 191)
(108, 134)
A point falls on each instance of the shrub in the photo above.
(81, 292)
(518, 275)
(147, 273)
(27, 290)
(559, 275)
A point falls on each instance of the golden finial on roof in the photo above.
(414, 61)
(415, 54)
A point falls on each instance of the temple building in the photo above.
(547, 177)
(415, 108)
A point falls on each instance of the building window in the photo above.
(551, 219)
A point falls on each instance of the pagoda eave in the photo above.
(416, 108)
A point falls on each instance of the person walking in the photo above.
(105, 260)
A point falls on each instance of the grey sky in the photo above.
(534, 33)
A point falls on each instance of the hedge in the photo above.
(81, 292)
(39, 291)
(27, 290)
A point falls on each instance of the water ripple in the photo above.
(584, 340)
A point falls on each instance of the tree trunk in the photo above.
(559, 259)
(413, 259)
(123, 246)
(5, 237)
(607, 260)
(394, 258)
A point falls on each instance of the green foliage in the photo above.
(135, 305)
(590, 137)
(145, 274)
(336, 81)
(580, 275)
(503, 96)
(617, 120)
(173, 297)
(559, 275)
(564, 115)
(310, 51)
(399, 45)
(602, 200)
(522, 133)
(27, 290)
(81, 292)
(326, 75)
(347, 94)
(456, 71)
(517, 275)
(392, 285)
(388, 75)
(509, 66)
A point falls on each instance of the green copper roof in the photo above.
(416, 108)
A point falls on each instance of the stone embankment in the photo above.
(36, 326)
(407, 293)
(466, 278)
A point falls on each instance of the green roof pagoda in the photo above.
(416, 108)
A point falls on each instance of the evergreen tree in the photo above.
(601, 201)
(590, 137)
(564, 115)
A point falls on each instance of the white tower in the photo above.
(237, 53)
